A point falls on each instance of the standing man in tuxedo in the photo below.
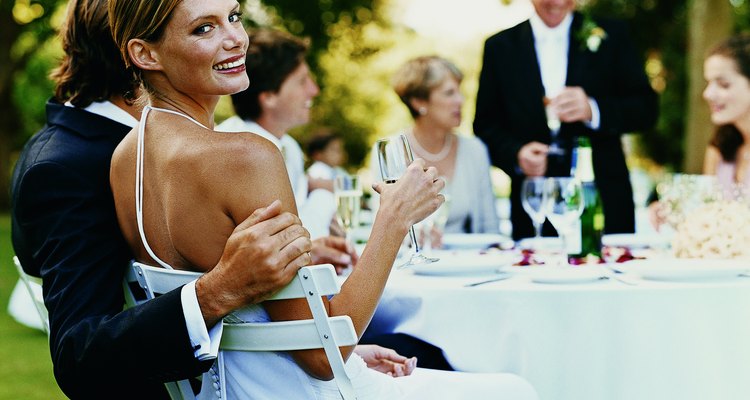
(587, 73)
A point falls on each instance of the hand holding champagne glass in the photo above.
(394, 156)
(347, 189)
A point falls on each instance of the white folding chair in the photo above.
(320, 332)
(34, 287)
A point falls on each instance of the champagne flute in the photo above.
(394, 156)
(553, 123)
(347, 189)
(532, 200)
(563, 204)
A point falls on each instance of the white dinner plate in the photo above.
(475, 240)
(686, 269)
(566, 274)
(546, 243)
(464, 263)
(636, 240)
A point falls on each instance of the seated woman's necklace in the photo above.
(432, 157)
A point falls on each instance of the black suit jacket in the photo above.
(64, 229)
(510, 112)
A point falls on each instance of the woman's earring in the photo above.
(422, 110)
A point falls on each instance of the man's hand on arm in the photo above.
(386, 360)
(532, 159)
(262, 255)
(334, 250)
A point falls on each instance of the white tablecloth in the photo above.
(602, 340)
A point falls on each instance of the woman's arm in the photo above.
(711, 160)
(256, 176)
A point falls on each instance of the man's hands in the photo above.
(532, 158)
(334, 250)
(262, 255)
(386, 360)
(572, 105)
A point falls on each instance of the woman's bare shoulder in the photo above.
(244, 150)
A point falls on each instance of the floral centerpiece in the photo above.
(719, 229)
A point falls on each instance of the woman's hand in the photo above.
(386, 360)
(414, 196)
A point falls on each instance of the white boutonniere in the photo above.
(591, 35)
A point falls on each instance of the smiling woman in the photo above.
(727, 74)
(194, 186)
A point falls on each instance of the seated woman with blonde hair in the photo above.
(429, 86)
(181, 188)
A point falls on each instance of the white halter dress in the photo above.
(275, 375)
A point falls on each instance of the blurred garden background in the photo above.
(356, 46)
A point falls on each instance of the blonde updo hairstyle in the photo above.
(420, 76)
(139, 19)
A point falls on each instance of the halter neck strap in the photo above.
(139, 184)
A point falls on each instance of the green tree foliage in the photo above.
(658, 29)
(25, 28)
(345, 36)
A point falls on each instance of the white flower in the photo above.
(593, 43)
(591, 35)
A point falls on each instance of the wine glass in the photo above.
(563, 204)
(347, 189)
(532, 200)
(394, 155)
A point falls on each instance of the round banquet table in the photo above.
(597, 340)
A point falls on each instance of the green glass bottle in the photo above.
(592, 220)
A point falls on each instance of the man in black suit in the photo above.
(64, 229)
(588, 73)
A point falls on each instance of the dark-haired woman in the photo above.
(727, 74)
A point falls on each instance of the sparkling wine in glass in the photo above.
(563, 205)
(347, 189)
(394, 155)
(553, 123)
(532, 200)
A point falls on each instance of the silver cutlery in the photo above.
(616, 274)
(496, 279)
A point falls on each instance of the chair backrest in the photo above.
(34, 287)
(320, 332)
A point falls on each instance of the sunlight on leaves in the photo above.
(24, 11)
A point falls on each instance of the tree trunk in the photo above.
(9, 128)
(709, 22)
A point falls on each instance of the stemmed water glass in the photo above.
(394, 155)
(347, 190)
(532, 200)
(563, 204)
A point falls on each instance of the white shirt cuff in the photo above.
(595, 116)
(205, 341)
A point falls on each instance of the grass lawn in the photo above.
(26, 368)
